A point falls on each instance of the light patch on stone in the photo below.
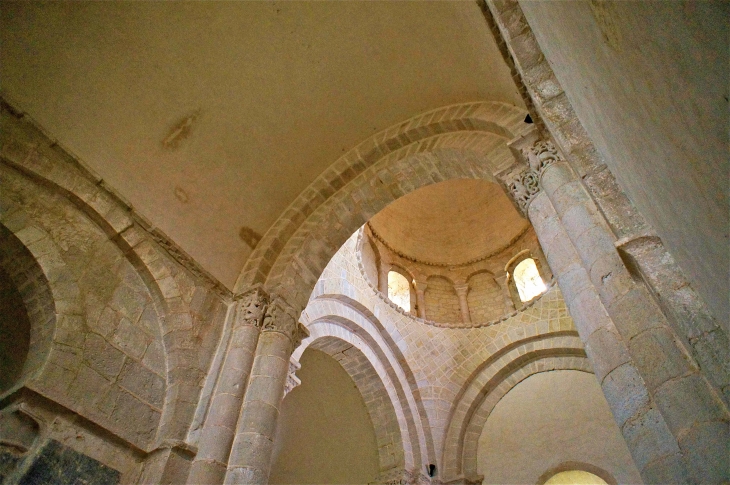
(575, 477)
(528, 281)
(399, 290)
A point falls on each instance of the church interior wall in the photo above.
(134, 348)
(644, 88)
(546, 420)
(326, 434)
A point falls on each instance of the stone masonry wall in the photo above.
(442, 302)
(131, 322)
(486, 299)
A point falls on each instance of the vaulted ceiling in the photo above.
(209, 118)
(450, 222)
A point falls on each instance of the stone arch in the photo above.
(348, 317)
(180, 298)
(577, 465)
(442, 302)
(370, 176)
(485, 298)
(107, 327)
(373, 391)
(404, 272)
(20, 266)
(490, 381)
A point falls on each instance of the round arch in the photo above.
(462, 141)
(356, 320)
(577, 465)
(376, 387)
(492, 380)
(23, 271)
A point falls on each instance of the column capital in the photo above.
(250, 307)
(461, 289)
(280, 317)
(522, 179)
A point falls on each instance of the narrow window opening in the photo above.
(528, 281)
(399, 290)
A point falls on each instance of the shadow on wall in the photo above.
(28, 314)
(325, 434)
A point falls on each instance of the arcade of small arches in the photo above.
(464, 297)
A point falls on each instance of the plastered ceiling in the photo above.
(450, 222)
(211, 117)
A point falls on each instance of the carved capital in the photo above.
(292, 380)
(522, 186)
(462, 289)
(250, 308)
(280, 317)
(541, 155)
(522, 180)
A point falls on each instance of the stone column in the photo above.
(503, 282)
(421, 297)
(250, 459)
(675, 424)
(209, 466)
(461, 291)
(383, 271)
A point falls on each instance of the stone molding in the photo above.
(292, 380)
(400, 476)
(424, 132)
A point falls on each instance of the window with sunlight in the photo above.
(527, 279)
(575, 477)
(399, 290)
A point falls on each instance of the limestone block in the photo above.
(648, 437)
(657, 355)
(625, 392)
(607, 351)
(706, 448)
(685, 401)
(253, 451)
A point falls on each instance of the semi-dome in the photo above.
(450, 223)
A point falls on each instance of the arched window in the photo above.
(527, 279)
(575, 477)
(399, 290)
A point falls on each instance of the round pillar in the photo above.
(250, 458)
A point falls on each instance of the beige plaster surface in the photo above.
(211, 117)
(450, 222)
(325, 434)
(549, 419)
(648, 81)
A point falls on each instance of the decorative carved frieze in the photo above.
(250, 308)
(292, 380)
(280, 317)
